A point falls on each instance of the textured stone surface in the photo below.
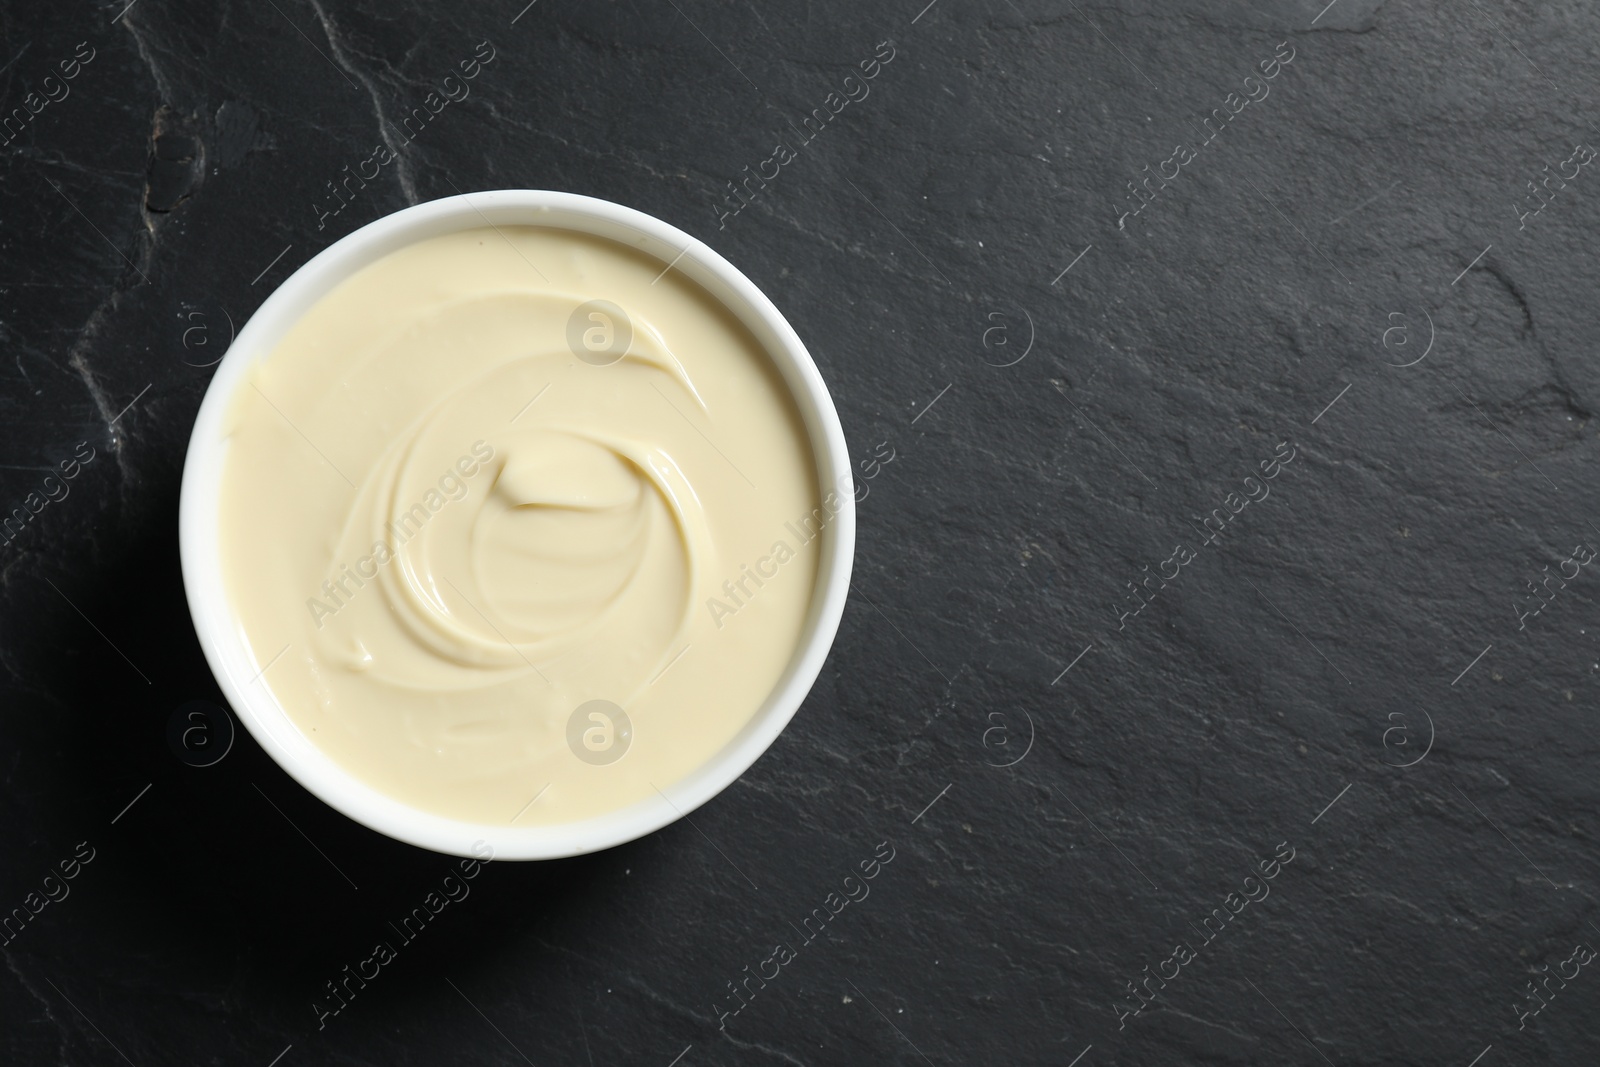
(1317, 644)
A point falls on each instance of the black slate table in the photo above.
(1216, 686)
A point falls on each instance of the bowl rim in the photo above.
(237, 670)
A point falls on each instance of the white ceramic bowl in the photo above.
(236, 669)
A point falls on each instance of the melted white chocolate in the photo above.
(463, 531)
